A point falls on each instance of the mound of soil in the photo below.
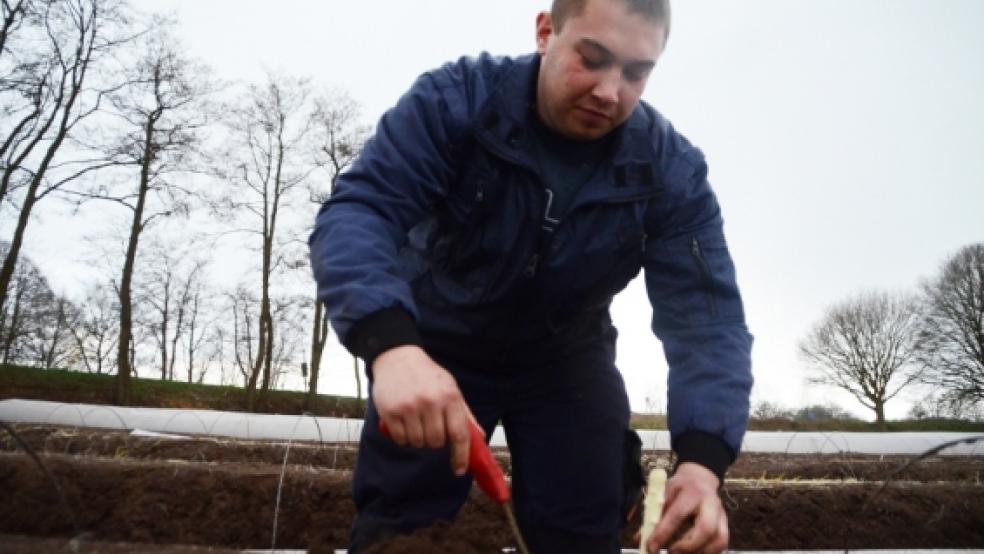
(228, 494)
(440, 538)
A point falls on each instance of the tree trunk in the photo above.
(264, 348)
(319, 334)
(13, 325)
(164, 340)
(126, 350)
(49, 355)
(268, 362)
(123, 365)
(254, 372)
(265, 351)
(880, 416)
(10, 261)
(174, 342)
(191, 348)
(358, 381)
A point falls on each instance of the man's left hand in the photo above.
(692, 494)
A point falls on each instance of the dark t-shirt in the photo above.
(565, 165)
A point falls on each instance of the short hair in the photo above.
(657, 11)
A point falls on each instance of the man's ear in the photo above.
(544, 28)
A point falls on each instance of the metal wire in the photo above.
(932, 451)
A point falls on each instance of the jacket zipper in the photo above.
(705, 272)
(531, 266)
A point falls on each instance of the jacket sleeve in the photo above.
(699, 318)
(399, 176)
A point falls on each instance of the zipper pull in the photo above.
(531, 266)
(695, 248)
(644, 237)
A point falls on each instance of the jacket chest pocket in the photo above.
(600, 251)
(481, 225)
(462, 220)
(610, 233)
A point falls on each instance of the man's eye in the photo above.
(592, 63)
(635, 75)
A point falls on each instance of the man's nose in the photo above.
(606, 89)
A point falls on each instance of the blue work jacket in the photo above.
(440, 231)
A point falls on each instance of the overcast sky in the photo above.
(845, 138)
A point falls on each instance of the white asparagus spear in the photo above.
(652, 506)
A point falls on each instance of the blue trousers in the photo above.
(565, 422)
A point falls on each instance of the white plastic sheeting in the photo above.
(282, 427)
(199, 422)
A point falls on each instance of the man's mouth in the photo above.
(593, 115)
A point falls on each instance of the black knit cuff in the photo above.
(705, 449)
(380, 331)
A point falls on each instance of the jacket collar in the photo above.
(504, 126)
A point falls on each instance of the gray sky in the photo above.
(844, 137)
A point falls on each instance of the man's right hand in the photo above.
(421, 404)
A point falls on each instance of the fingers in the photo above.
(424, 427)
(705, 535)
(676, 510)
(421, 403)
(723, 536)
(415, 430)
(457, 419)
(435, 433)
(709, 532)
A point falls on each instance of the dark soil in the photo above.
(441, 538)
(904, 516)
(223, 494)
(121, 444)
(858, 467)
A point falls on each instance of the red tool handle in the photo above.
(481, 464)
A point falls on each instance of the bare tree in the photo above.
(158, 292)
(47, 94)
(289, 322)
(952, 349)
(169, 288)
(243, 307)
(765, 409)
(163, 108)
(268, 164)
(29, 294)
(36, 325)
(196, 299)
(339, 139)
(867, 347)
(95, 333)
(51, 340)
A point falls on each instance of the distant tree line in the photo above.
(876, 344)
(102, 109)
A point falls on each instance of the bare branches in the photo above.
(166, 100)
(95, 334)
(51, 79)
(866, 346)
(953, 332)
(36, 325)
(339, 137)
(268, 161)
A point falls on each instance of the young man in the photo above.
(470, 257)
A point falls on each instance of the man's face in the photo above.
(594, 70)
